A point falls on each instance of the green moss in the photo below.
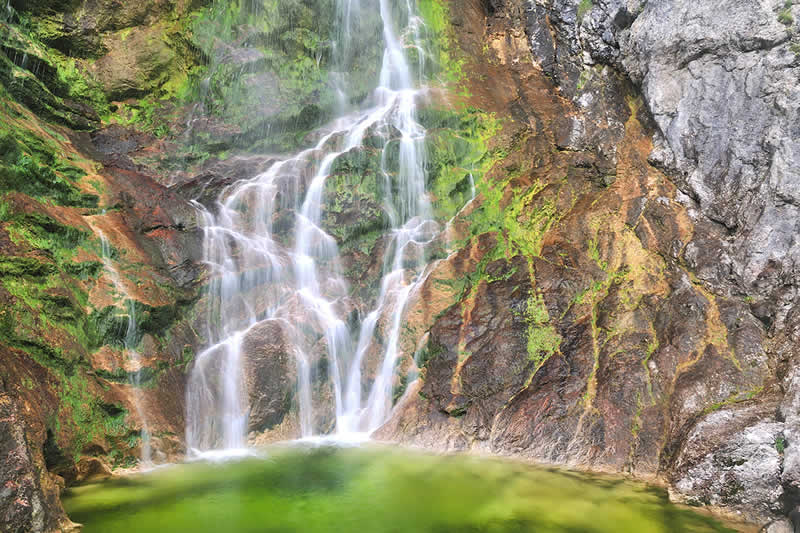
(85, 270)
(594, 254)
(585, 76)
(428, 352)
(81, 416)
(584, 7)
(785, 15)
(84, 416)
(520, 218)
(521, 225)
(733, 399)
(291, 55)
(47, 316)
(457, 154)
(20, 267)
(353, 211)
(34, 76)
(42, 232)
(81, 86)
(48, 293)
(447, 58)
(543, 339)
(32, 167)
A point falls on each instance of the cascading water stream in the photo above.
(130, 342)
(255, 276)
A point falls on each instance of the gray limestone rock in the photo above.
(721, 81)
(733, 459)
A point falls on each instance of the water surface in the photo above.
(374, 490)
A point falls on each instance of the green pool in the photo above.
(371, 490)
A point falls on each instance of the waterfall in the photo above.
(130, 342)
(256, 276)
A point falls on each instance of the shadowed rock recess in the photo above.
(615, 288)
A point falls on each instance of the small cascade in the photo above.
(130, 343)
(472, 191)
(257, 274)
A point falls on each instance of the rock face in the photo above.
(28, 502)
(655, 145)
(620, 295)
(270, 374)
(88, 238)
(721, 85)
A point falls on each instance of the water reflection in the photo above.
(319, 488)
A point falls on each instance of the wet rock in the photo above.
(118, 140)
(704, 71)
(26, 504)
(26, 88)
(209, 182)
(270, 374)
(90, 469)
(702, 80)
(165, 225)
(720, 99)
(79, 28)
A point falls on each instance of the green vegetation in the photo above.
(584, 7)
(457, 154)
(583, 79)
(543, 339)
(46, 314)
(780, 444)
(32, 167)
(520, 225)
(85, 415)
(50, 84)
(354, 199)
(733, 399)
(447, 58)
(785, 15)
(426, 353)
(281, 49)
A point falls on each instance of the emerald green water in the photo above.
(371, 490)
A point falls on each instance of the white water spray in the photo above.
(256, 277)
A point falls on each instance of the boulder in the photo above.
(270, 374)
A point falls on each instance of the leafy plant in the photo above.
(780, 444)
(584, 7)
(785, 16)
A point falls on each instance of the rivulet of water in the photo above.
(130, 342)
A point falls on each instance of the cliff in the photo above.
(647, 216)
(618, 296)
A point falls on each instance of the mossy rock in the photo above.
(36, 171)
(27, 89)
(353, 197)
(138, 64)
(45, 6)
